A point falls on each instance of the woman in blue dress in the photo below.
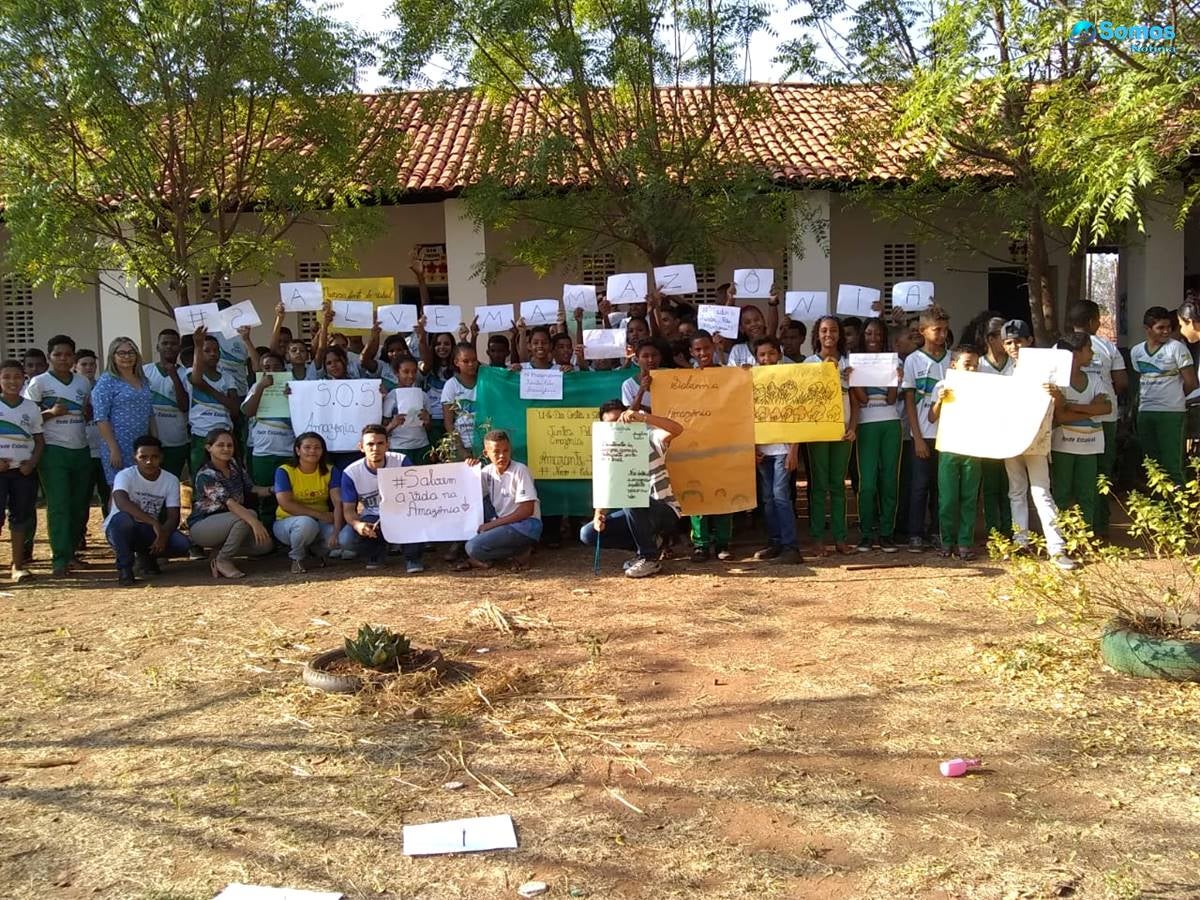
(121, 405)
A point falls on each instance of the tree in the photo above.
(179, 138)
(632, 99)
(1000, 101)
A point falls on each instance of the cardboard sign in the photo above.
(442, 319)
(579, 296)
(855, 300)
(560, 442)
(977, 401)
(753, 284)
(273, 404)
(1044, 366)
(539, 312)
(604, 343)
(541, 384)
(189, 318)
(620, 465)
(376, 291)
(490, 319)
(238, 316)
(806, 306)
(795, 403)
(722, 320)
(335, 409)
(874, 369)
(397, 317)
(629, 287)
(913, 296)
(301, 296)
(675, 280)
(430, 503)
(355, 315)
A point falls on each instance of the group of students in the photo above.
(128, 433)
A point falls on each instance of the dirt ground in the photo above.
(726, 730)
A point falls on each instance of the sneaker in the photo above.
(19, 574)
(145, 565)
(630, 563)
(916, 545)
(944, 552)
(863, 546)
(643, 568)
(724, 554)
(125, 578)
(335, 553)
(770, 552)
(373, 563)
(1065, 563)
(789, 555)
(887, 545)
(699, 554)
(414, 567)
(195, 552)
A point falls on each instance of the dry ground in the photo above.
(723, 731)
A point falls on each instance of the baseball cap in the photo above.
(1015, 328)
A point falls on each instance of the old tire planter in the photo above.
(1136, 653)
(316, 674)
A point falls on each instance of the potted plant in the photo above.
(1144, 601)
(375, 654)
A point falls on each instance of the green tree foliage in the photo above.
(633, 101)
(179, 138)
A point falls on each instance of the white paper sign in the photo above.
(396, 317)
(722, 320)
(238, 316)
(855, 300)
(430, 503)
(460, 835)
(408, 402)
(189, 318)
(337, 409)
(1045, 366)
(629, 287)
(358, 314)
(753, 283)
(491, 319)
(301, 296)
(967, 424)
(675, 280)
(258, 892)
(620, 465)
(541, 384)
(874, 370)
(442, 319)
(806, 306)
(604, 343)
(578, 296)
(539, 312)
(913, 296)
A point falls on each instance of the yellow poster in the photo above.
(797, 403)
(712, 463)
(968, 421)
(560, 441)
(380, 291)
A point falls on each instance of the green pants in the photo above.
(175, 458)
(1161, 436)
(878, 478)
(100, 483)
(997, 511)
(262, 473)
(1073, 479)
(829, 460)
(958, 498)
(1108, 461)
(196, 455)
(712, 532)
(67, 486)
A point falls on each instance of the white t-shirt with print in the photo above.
(170, 422)
(409, 402)
(18, 425)
(510, 490)
(1160, 383)
(464, 418)
(629, 389)
(151, 497)
(47, 390)
(1083, 438)
(921, 374)
(1106, 359)
(205, 411)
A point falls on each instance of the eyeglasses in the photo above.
(124, 353)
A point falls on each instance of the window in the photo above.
(899, 264)
(16, 299)
(594, 269)
(706, 283)
(222, 291)
(311, 271)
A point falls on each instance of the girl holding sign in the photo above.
(879, 437)
(1077, 442)
(213, 398)
(752, 326)
(270, 436)
(405, 416)
(458, 399)
(831, 459)
(437, 368)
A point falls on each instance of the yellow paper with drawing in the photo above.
(560, 441)
(712, 463)
(994, 417)
(797, 403)
(380, 291)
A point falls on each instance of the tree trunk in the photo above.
(1042, 307)
(1075, 278)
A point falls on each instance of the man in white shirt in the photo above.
(361, 501)
(512, 514)
(143, 520)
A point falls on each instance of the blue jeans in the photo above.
(375, 548)
(634, 529)
(774, 487)
(128, 536)
(303, 534)
(504, 542)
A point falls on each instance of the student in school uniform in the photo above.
(713, 533)
(408, 430)
(1166, 375)
(142, 525)
(776, 470)
(831, 459)
(458, 399)
(791, 340)
(879, 444)
(212, 397)
(362, 533)
(169, 398)
(308, 494)
(512, 518)
(958, 476)
(997, 512)
(86, 364)
(21, 426)
(923, 369)
(1077, 442)
(752, 327)
(271, 439)
(635, 390)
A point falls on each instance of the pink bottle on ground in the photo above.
(956, 768)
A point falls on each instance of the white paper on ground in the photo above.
(258, 892)
(460, 836)
(874, 369)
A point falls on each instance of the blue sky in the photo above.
(373, 16)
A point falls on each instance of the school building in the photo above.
(796, 139)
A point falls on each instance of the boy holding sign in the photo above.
(20, 450)
(360, 503)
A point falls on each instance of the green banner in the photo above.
(498, 404)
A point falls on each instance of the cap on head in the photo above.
(1015, 329)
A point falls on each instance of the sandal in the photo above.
(700, 554)
(298, 567)
(965, 553)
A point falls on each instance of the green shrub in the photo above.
(378, 648)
